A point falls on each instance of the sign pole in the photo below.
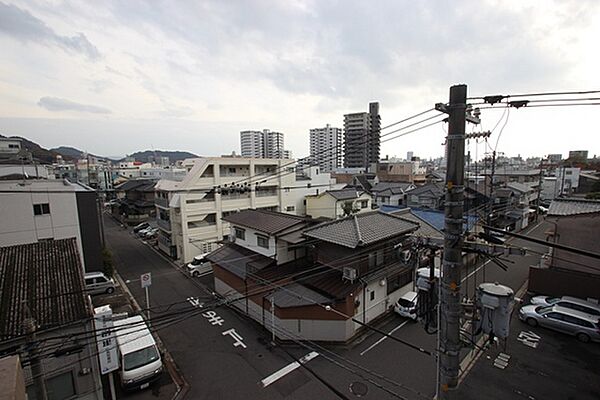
(148, 305)
(146, 281)
(111, 383)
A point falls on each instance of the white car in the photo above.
(406, 305)
(199, 265)
(572, 303)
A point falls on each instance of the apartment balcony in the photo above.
(165, 241)
(164, 224)
(161, 202)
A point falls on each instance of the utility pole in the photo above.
(36, 364)
(537, 209)
(489, 216)
(449, 328)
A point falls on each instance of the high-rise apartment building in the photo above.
(262, 144)
(362, 137)
(326, 148)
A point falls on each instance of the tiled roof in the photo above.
(519, 187)
(139, 185)
(364, 182)
(44, 277)
(239, 260)
(345, 194)
(393, 187)
(562, 207)
(436, 189)
(330, 284)
(265, 221)
(362, 229)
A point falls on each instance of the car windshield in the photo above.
(543, 309)
(140, 358)
(405, 303)
(196, 261)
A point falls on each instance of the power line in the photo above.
(538, 94)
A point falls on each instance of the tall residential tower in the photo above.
(262, 144)
(362, 137)
(326, 148)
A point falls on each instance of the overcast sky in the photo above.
(113, 77)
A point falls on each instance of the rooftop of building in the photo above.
(362, 229)
(392, 187)
(238, 260)
(43, 280)
(42, 185)
(140, 185)
(269, 222)
(571, 206)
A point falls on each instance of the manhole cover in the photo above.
(359, 389)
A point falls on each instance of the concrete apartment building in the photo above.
(40, 210)
(9, 148)
(189, 213)
(362, 137)
(326, 148)
(262, 144)
(578, 154)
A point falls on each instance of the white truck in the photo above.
(140, 359)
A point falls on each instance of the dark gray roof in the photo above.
(45, 277)
(563, 207)
(363, 181)
(361, 229)
(138, 185)
(239, 260)
(425, 230)
(436, 189)
(519, 187)
(393, 187)
(345, 194)
(297, 295)
(265, 221)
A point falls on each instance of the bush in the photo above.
(107, 262)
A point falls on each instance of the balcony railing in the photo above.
(164, 224)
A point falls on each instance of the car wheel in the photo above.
(532, 322)
(583, 338)
(196, 274)
(110, 290)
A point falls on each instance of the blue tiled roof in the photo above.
(436, 218)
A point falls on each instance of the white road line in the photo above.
(385, 337)
(287, 369)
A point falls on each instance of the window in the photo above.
(41, 209)
(240, 233)
(290, 208)
(262, 241)
(364, 203)
(60, 387)
(231, 170)
(372, 296)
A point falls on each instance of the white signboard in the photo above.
(146, 280)
(105, 338)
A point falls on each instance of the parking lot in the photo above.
(556, 366)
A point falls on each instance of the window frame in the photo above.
(239, 233)
(264, 238)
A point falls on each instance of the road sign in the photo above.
(146, 280)
(106, 341)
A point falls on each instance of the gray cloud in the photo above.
(57, 104)
(25, 27)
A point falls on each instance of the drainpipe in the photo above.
(364, 301)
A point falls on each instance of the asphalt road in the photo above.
(210, 362)
(216, 369)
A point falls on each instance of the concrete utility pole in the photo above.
(450, 344)
(540, 182)
(489, 216)
(36, 364)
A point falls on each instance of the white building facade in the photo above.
(263, 144)
(326, 148)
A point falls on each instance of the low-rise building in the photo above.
(9, 148)
(48, 277)
(136, 201)
(391, 193)
(339, 203)
(46, 209)
(430, 195)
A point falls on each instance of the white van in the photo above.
(199, 266)
(140, 359)
(98, 283)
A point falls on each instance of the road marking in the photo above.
(385, 337)
(287, 369)
(473, 272)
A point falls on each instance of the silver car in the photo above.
(568, 302)
(583, 326)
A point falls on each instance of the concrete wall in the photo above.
(579, 231)
(89, 228)
(553, 282)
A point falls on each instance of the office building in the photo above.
(578, 154)
(326, 148)
(362, 137)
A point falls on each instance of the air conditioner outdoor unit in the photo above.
(349, 274)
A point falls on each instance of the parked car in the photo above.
(583, 326)
(144, 231)
(141, 226)
(98, 283)
(572, 303)
(199, 265)
(150, 233)
(406, 305)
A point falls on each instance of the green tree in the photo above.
(107, 262)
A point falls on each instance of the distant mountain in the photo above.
(73, 153)
(173, 155)
(37, 152)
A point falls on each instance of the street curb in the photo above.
(180, 382)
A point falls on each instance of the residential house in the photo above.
(353, 269)
(136, 201)
(38, 210)
(589, 182)
(391, 193)
(575, 223)
(404, 171)
(339, 203)
(430, 195)
(48, 277)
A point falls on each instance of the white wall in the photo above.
(250, 241)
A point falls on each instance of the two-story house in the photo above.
(339, 203)
(430, 195)
(391, 193)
